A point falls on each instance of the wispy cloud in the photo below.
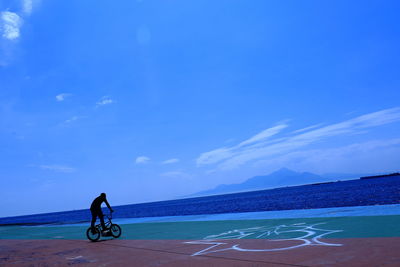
(62, 97)
(308, 128)
(142, 160)
(224, 153)
(105, 100)
(58, 168)
(263, 135)
(261, 145)
(10, 25)
(72, 120)
(27, 6)
(170, 161)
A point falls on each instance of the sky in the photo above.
(155, 100)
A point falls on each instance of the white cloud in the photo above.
(224, 153)
(308, 128)
(10, 29)
(58, 168)
(105, 100)
(232, 157)
(142, 160)
(62, 97)
(263, 135)
(170, 161)
(27, 6)
(214, 156)
(10, 24)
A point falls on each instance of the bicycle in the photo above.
(114, 230)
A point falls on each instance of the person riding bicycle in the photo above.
(95, 209)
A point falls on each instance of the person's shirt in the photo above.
(96, 204)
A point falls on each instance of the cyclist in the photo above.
(95, 209)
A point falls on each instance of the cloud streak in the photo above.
(105, 100)
(142, 160)
(170, 161)
(262, 145)
(224, 153)
(263, 135)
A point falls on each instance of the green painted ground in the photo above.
(349, 227)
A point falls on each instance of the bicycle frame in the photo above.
(107, 223)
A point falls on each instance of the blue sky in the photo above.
(154, 100)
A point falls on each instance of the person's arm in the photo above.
(108, 205)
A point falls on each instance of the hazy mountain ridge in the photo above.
(279, 178)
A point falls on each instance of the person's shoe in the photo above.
(93, 231)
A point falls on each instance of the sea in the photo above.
(378, 190)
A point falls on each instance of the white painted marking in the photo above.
(310, 237)
(75, 258)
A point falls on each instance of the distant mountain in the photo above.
(280, 178)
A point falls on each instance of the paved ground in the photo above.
(372, 240)
(353, 252)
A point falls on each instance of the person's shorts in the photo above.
(96, 213)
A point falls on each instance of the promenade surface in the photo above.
(346, 236)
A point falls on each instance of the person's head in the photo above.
(103, 195)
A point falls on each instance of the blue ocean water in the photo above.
(361, 192)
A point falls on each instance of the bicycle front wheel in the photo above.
(93, 235)
(115, 230)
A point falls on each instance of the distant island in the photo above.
(380, 176)
(282, 178)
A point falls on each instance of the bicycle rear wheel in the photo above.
(115, 230)
(93, 236)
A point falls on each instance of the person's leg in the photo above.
(101, 216)
(94, 215)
